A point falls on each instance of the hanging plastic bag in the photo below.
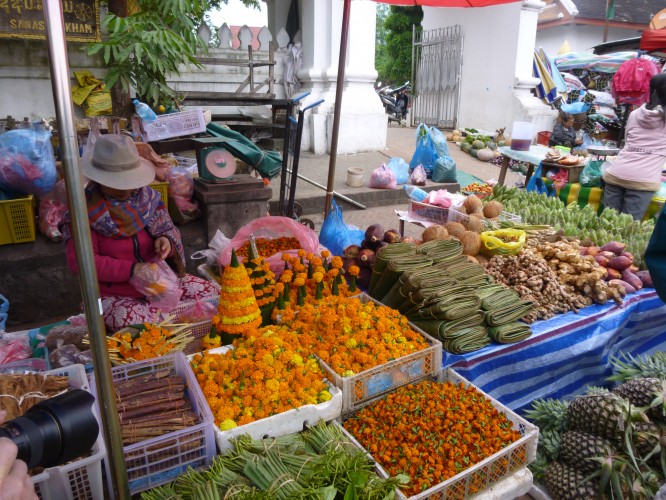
(335, 234)
(4, 308)
(201, 310)
(439, 140)
(536, 184)
(51, 213)
(215, 247)
(418, 176)
(400, 168)
(591, 174)
(382, 178)
(425, 153)
(445, 170)
(27, 164)
(158, 282)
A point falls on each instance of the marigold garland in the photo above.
(263, 375)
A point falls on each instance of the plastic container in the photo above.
(82, 478)
(17, 220)
(522, 135)
(175, 125)
(456, 216)
(354, 177)
(430, 212)
(160, 460)
(415, 192)
(362, 387)
(544, 137)
(163, 189)
(144, 111)
(494, 469)
(197, 330)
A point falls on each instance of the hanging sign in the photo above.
(25, 19)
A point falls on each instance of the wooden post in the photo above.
(251, 57)
(271, 69)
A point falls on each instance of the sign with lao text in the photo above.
(25, 19)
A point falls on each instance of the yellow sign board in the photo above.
(25, 19)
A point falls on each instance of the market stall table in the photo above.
(533, 157)
(567, 352)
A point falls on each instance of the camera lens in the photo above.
(54, 431)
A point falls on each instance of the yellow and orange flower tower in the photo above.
(237, 312)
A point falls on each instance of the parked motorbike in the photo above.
(395, 101)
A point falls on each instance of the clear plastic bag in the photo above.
(383, 178)
(215, 247)
(199, 311)
(180, 183)
(400, 168)
(419, 176)
(27, 164)
(158, 283)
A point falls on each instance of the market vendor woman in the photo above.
(130, 227)
(563, 132)
(635, 175)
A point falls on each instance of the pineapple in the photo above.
(576, 449)
(601, 414)
(567, 483)
(645, 437)
(549, 443)
(548, 414)
(638, 367)
(644, 392)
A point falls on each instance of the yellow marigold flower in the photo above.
(324, 396)
(272, 384)
(268, 359)
(351, 343)
(348, 373)
(317, 277)
(227, 425)
(296, 360)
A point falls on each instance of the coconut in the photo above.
(493, 209)
(474, 224)
(478, 215)
(471, 243)
(455, 228)
(434, 233)
(472, 204)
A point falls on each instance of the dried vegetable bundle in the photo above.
(263, 375)
(146, 341)
(431, 431)
(20, 392)
(153, 405)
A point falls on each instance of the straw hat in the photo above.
(116, 163)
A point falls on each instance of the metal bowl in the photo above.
(602, 150)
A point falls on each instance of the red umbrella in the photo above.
(341, 68)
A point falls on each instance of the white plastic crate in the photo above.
(457, 216)
(197, 330)
(288, 422)
(487, 473)
(160, 460)
(82, 478)
(368, 384)
(174, 125)
(430, 212)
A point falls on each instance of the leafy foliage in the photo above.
(140, 50)
(393, 58)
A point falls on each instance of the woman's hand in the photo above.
(162, 247)
(15, 482)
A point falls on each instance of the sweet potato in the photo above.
(645, 278)
(613, 273)
(620, 263)
(632, 279)
(627, 287)
(614, 246)
(602, 260)
(592, 250)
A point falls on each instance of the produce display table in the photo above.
(533, 157)
(566, 353)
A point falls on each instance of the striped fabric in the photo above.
(571, 193)
(567, 352)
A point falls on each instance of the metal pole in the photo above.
(344, 35)
(55, 31)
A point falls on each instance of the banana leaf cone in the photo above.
(395, 268)
(384, 255)
(510, 332)
(468, 339)
(499, 299)
(449, 309)
(442, 329)
(507, 314)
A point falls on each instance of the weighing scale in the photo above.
(216, 165)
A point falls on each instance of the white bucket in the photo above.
(354, 177)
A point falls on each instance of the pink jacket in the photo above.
(114, 259)
(644, 153)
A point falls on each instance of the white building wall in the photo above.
(581, 38)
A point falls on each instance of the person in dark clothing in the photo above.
(563, 132)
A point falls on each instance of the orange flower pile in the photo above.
(262, 376)
(262, 279)
(238, 311)
(267, 247)
(151, 341)
(351, 336)
(431, 432)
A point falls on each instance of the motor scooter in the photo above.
(395, 101)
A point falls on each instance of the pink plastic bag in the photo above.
(440, 198)
(51, 213)
(200, 311)
(383, 178)
(419, 176)
(272, 227)
(158, 283)
(14, 350)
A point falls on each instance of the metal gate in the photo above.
(436, 71)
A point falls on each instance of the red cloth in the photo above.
(114, 258)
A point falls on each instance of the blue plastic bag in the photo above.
(400, 168)
(445, 170)
(439, 140)
(27, 164)
(335, 234)
(425, 153)
(536, 184)
(4, 308)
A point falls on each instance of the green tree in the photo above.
(140, 50)
(397, 66)
(381, 56)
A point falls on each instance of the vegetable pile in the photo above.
(320, 462)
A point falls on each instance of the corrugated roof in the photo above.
(627, 11)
